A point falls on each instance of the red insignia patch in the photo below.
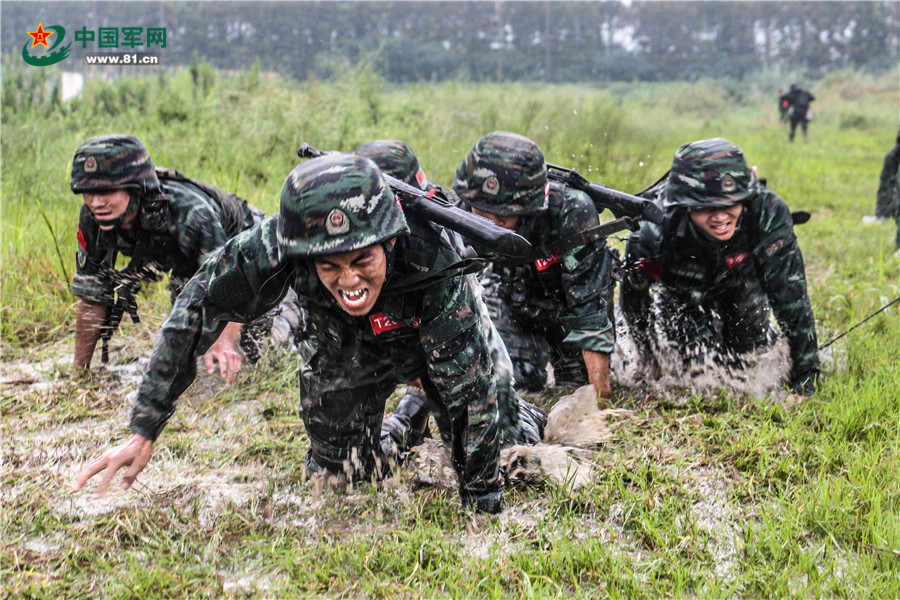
(381, 323)
(650, 269)
(543, 264)
(81, 243)
(736, 259)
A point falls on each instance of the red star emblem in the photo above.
(40, 36)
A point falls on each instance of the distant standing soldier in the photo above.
(798, 109)
(887, 203)
(724, 257)
(557, 308)
(159, 219)
(388, 303)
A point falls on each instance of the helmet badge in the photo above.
(337, 222)
(728, 184)
(491, 186)
(90, 165)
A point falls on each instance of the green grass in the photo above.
(712, 496)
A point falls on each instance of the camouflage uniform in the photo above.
(425, 324)
(553, 308)
(888, 197)
(178, 223)
(716, 296)
(520, 421)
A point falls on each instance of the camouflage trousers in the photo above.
(532, 346)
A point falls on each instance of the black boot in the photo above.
(407, 425)
(532, 420)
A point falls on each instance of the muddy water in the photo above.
(575, 428)
(762, 375)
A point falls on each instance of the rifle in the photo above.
(434, 205)
(621, 204)
(124, 302)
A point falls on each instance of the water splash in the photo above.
(757, 373)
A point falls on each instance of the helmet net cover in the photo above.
(336, 203)
(504, 174)
(396, 159)
(113, 161)
(709, 174)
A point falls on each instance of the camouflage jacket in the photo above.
(759, 268)
(568, 288)
(888, 197)
(173, 232)
(423, 325)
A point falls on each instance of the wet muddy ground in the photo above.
(216, 456)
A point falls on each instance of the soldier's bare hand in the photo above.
(228, 360)
(225, 354)
(134, 454)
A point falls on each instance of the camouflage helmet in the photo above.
(396, 159)
(707, 174)
(336, 203)
(503, 174)
(113, 161)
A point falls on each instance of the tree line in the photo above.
(492, 41)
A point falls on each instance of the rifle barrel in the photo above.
(622, 204)
(477, 229)
(435, 208)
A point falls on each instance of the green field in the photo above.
(699, 495)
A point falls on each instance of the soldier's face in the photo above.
(718, 223)
(107, 205)
(505, 221)
(354, 278)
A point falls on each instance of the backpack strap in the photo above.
(233, 207)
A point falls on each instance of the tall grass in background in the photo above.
(241, 132)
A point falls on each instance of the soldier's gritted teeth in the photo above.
(354, 278)
(107, 205)
(719, 222)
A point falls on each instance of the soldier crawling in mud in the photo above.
(558, 308)
(388, 303)
(724, 256)
(397, 159)
(158, 218)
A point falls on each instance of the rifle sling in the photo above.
(584, 237)
(417, 281)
